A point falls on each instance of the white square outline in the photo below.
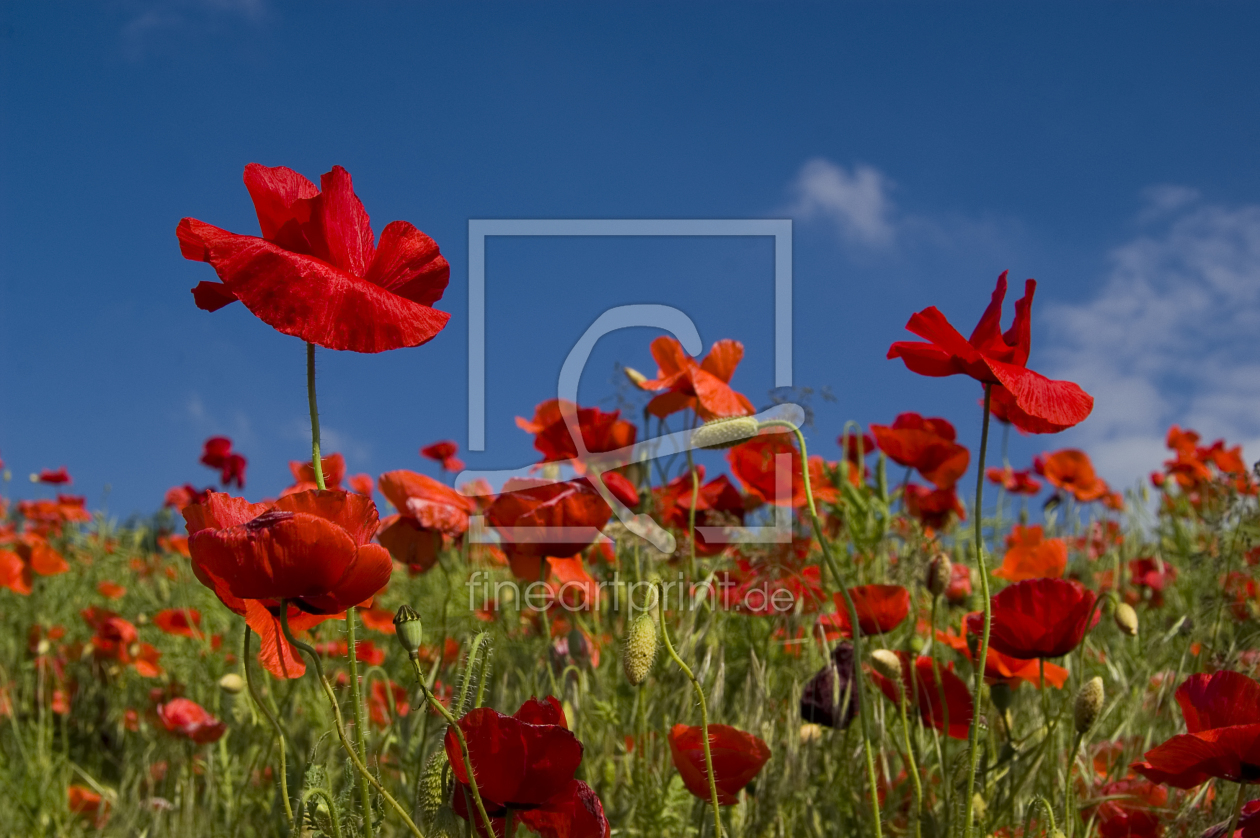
(479, 228)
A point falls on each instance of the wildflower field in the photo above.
(618, 643)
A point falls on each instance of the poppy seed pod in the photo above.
(886, 663)
(432, 790)
(1126, 619)
(725, 432)
(410, 630)
(232, 683)
(1089, 702)
(640, 651)
(940, 574)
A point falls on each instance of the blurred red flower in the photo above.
(993, 357)
(933, 508)
(1129, 808)
(1038, 618)
(429, 513)
(768, 466)
(718, 504)
(1072, 471)
(926, 445)
(704, 387)
(1014, 482)
(959, 588)
(601, 432)
(185, 717)
(217, 453)
(924, 694)
(1222, 738)
(84, 801)
(378, 619)
(182, 622)
(1030, 555)
(444, 452)
(385, 705)
(111, 590)
(117, 639)
(880, 609)
(318, 272)
(56, 478)
(737, 758)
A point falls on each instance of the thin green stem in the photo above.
(316, 463)
(940, 688)
(912, 766)
(253, 692)
(365, 794)
(339, 724)
(333, 819)
(463, 744)
(1238, 805)
(973, 747)
(691, 515)
(509, 827)
(704, 724)
(1067, 784)
(851, 608)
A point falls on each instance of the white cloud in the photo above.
(857, 202)
(150, 19)
(1170, 337)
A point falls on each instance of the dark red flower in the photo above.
(830, 698)
(56, 478)
(318, 272)
(537, 518)
(217, 453)
(312, 548)
(1248, 824)
(768, 466)
(1038, 618)
(1222, 739)
(993, 357)
(1130, 808)
(185, 717)
(444, 452)
(737, 758)
(924, 444)
(183, 622)
(718, 504)
(704, 387)
(601, 432)
(880, 609)
(924, 694)
(933, 508)
(1152, 573)
(1014, 482)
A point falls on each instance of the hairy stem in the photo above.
(982, 657)
(316, 463)
(253, 692)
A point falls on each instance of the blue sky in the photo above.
(1107, 149)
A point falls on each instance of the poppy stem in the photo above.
(339, 724)
(912, 766)
(253, 692)
(863, 707)
(305, 804)
(691, 515)
(940, 691)
(1067, 783)
(973, 751)
(509, 827)
(365, 794)
(316, 463)
(1238, 805)
(704, 724)
(459, 737)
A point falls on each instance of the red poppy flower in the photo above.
(768, 466)
(718, 504)
(1038, 618)
(1003, 407)
(959, 588)
(601, 432)
(378, 619)
(1072, 471)
(56, 478)
(1248, 824)
(933, 508)
(444, 452)
(1030, 555)
(1014, 482)
(111, 590)
(529, 513)
(318, 272)
(1222, 739)
(1004, 669)
(737, 758)
(185, 717)
(182, 622)
(311, 548)
(573, 812)
(924, 444)
(704, 387)
(84, 801)
(334, 469)
(430, 512)
(385, 705)
(217, 453)
(1130, 808)
(1152, 573)
(923, 693)
(880, 609)
(993, 357)
(177, 497)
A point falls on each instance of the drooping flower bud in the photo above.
(939, 575)
(724, 433)
(410, 631)
(232, 683)
(636, 378)
(640, 650)
(886, 663)
(1089, 703)
(1126, 619)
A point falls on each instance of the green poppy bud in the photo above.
(232, 683)
(940, 574)
(725, 433)
(886, 663)
(1126, 619)
(1089, 703)
(410, 630)
(640, 650)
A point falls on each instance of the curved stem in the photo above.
(365, 794)
(863, 707)
(340, 724)
(463, 744)
(316, 463)
(332, 808)
(704, 725)
(973, 749)
(253, 692)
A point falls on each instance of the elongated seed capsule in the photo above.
(724, 433)
(1126, 619)
(1089, 702)
(640, 651)
(430, 790)
(940, 573)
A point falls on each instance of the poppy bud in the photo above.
(810, 732)
(724, 433)
(232, 683)
(886, 663)
(1089, 702)
(410, 630)
(1126, 619)
(940, 574)
(640, 651)
(636, 378)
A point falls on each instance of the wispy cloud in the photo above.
(1170, 337)
(151, 19)
(857, 201)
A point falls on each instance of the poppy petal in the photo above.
(352, 512)
(1221, 699)
(279, 195)
(409, 264)
(496, 749)
(1057, 402)
(722, 359)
